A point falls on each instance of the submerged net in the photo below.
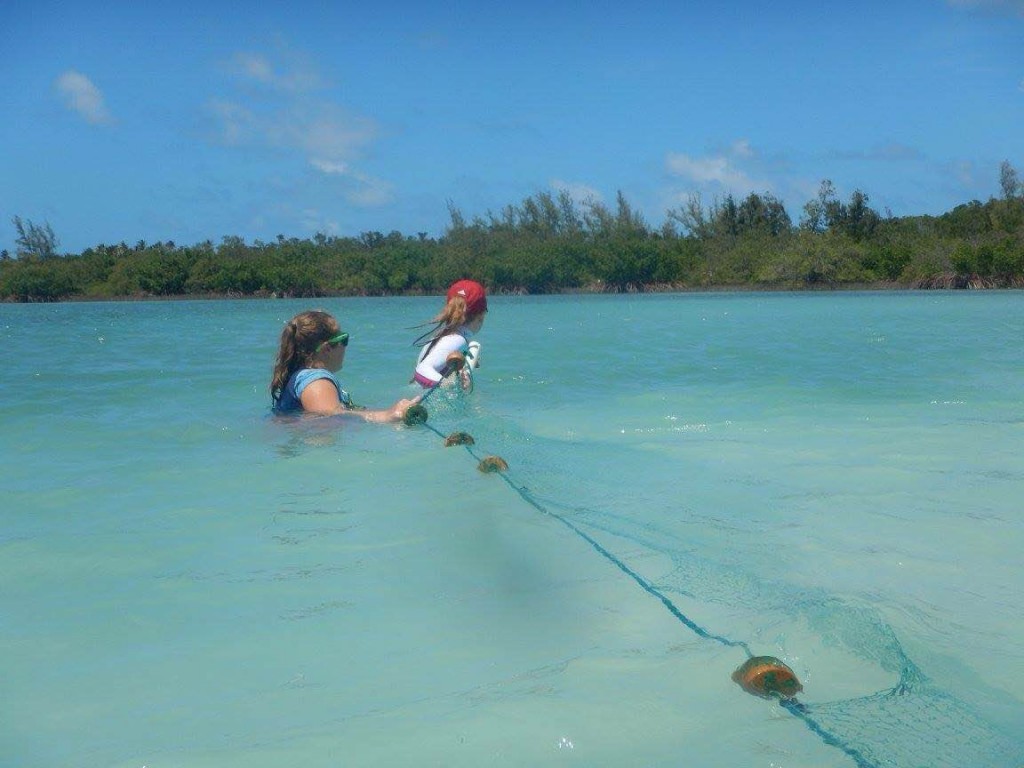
(914, 723)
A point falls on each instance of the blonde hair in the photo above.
(300, 339)
(454, 315)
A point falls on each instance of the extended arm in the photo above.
(320, 397)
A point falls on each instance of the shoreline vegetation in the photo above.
(550, 244)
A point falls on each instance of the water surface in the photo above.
(833, 479)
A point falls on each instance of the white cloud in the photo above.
(742, 148)
(290, 119)
(84, 98)
(329, 133)
(296, 77)
(361, 189)
(578, 192)
(716, 170)
(328, 137)
(328, 166)
(367, 191)
(726, 171)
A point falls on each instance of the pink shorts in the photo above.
(423, 381)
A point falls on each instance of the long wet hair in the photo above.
(301, 337)
(454, 315)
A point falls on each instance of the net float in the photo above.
(415, 414)
(456, 361)
(767, 676)
(458, 438)
(492, 464)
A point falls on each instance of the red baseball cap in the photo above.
(472, 292)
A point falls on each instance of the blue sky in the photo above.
(189, 121)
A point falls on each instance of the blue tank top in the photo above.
(291, 395)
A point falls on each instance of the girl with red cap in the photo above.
(461, 318)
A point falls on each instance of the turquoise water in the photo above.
(833, 479)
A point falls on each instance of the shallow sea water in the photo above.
(833, 479)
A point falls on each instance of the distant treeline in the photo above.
(549, 243)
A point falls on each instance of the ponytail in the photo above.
(300, 338)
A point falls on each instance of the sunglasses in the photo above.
(341, 338)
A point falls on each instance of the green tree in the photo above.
(858, 218)
(34, 240)
(1008, 180)
(35, 280)
(763, 213)
(692, 217)
(819, 211)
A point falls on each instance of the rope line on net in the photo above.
(761, 675)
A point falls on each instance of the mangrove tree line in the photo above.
(550, 243)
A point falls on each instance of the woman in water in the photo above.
(461, 318)
(312, 350)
